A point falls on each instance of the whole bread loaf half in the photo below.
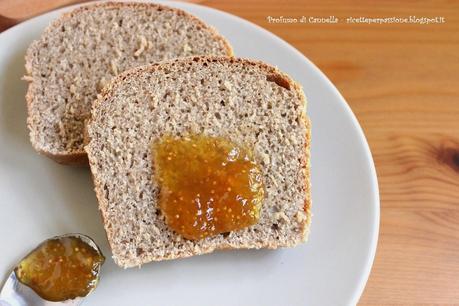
(80, 52)
(246, 102)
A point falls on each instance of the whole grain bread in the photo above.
(82, 50)
(247, 102)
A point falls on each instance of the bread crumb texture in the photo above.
(215, 96)
(78, 54)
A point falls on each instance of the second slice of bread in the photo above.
(247, 102)
(81, 51)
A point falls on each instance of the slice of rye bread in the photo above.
(247, 102)
(82, 50)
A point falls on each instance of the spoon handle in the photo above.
(14, 293)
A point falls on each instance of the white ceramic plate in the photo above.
(40, 199)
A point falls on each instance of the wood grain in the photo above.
(402, 82)
(21, 9)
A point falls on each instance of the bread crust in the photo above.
(78, 157)
(106, 94)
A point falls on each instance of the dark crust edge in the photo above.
(79, 158)
(118, 80)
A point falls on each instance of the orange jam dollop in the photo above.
(61, 268)
(208, 185)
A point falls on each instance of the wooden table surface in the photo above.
(402, 82)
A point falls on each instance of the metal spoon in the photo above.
(15, 293)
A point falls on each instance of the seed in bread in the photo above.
(246, 102)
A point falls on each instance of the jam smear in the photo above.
(61, 268)
(208, 185)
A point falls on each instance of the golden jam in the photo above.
(208, 185)
(61, 268)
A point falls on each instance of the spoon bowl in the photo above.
(16, 293)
